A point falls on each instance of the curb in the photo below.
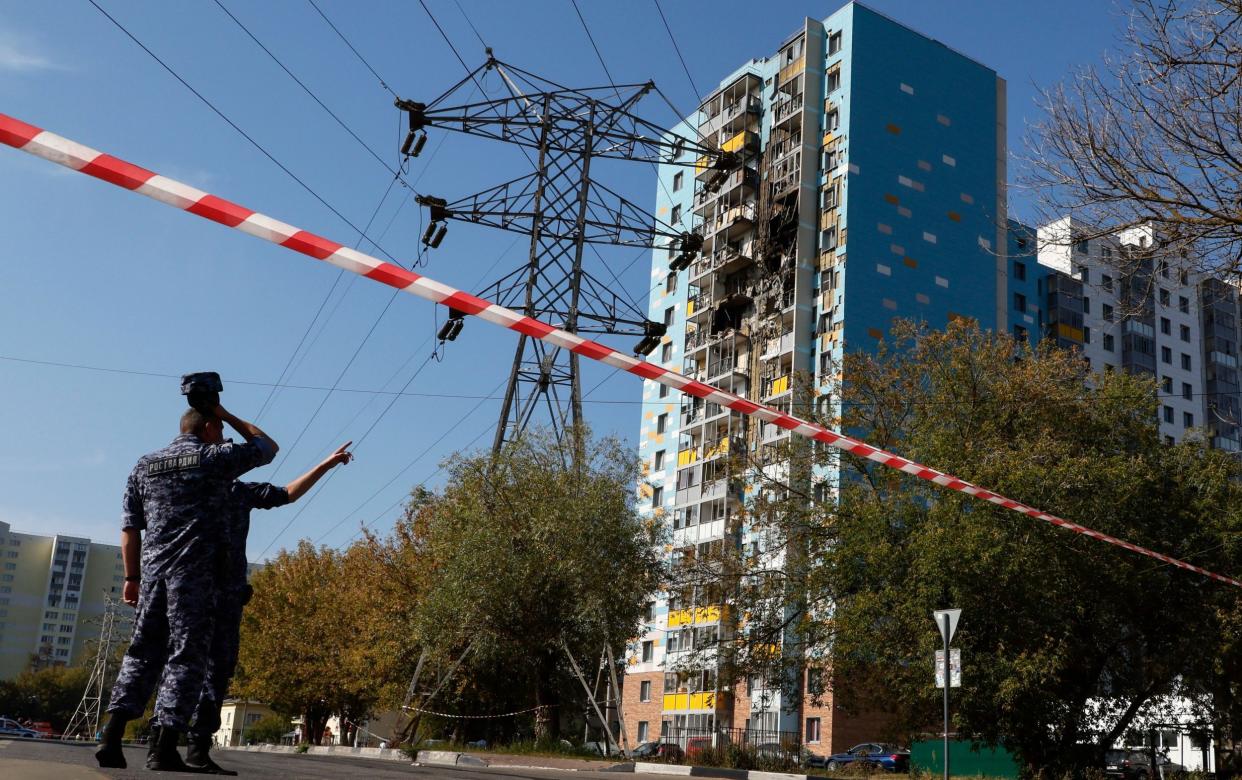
(385, 754)
(447, 758)
(718, 772)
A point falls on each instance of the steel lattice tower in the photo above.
(562, 208)
(86, 717)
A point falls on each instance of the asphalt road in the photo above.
(50, 760)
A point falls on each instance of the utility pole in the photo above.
(563, 208)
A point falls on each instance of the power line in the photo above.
(357, 444)
(357, 53)
(396, 173)
(242, 132)
(697, 92)
(482, 42)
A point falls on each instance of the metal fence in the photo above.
(760, 746)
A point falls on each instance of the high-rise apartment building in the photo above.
(1127, 306)
(53, 593)
(868, 184)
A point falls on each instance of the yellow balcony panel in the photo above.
(738, 141)
(706, 614)
(791, 70)
(676, 701)
(689, 308)
(779, 385)
(686, 457)
(829, 138)
(702, 701)
(702, 164)
(1067, 331)
(679, 617)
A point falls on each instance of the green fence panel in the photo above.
(969, 759)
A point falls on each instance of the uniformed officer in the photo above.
(232, 594)
(179, 496)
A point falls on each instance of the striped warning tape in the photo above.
(75, 156)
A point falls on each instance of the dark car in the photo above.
(1136, 765)
(659, 751)
(877, 754)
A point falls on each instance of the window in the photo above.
(1183, 304)
(1185, 362)
(1166, 327)
(1164, 297)
(1168, 414)
(1082, 247)
(1184, 332)
(834, 43)
(644, 691)
(1084, 274)
(1187, 391)
(663, 392)
(1108, 343)
(812, 730)
(1019, 271)
(833, 79)
(657, 497)
(1019, 302)
(659, 461)
(670, 682)
(668, 316)
(1106, 282)
(1188, 419)
(648, 652)
(649, 612)
(1166, 355)
(678, 179)
(1086, 335)
(642, 726)
(1183, 277)
(833, 121)
(661, 423)
(676, 215)
(666, 353)
(1019, 334)
(51, 615)
(670, 283)
(1086, 305)
(1166, 385)
(1106, 312)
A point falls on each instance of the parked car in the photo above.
(661, 751)
(1132, 764)
(11, 728)
(878, 754)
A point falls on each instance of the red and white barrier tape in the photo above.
(62, 151)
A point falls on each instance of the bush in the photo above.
(268, 729)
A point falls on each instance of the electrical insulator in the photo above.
(435, 242)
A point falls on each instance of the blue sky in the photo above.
(93, 276)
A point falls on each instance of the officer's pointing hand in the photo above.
(340, 456)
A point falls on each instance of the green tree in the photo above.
(1065, 640)
(269, 729)
(303, 635)
(532, 551)
(50, 694)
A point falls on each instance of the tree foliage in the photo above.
(1154, 136)
(1066, 641)
(50, 694)
(535, 550)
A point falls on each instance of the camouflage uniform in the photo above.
(231, 596)
(179, 496)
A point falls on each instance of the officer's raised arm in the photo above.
(251, 432)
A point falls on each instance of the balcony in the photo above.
(787, 109)
(791, 70)
(745, 140)
(1220, 358)
(778, 346)
(775, 386)
(735, 220)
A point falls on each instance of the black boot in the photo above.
(109, 755)
(198, 759)
(166, 758)
(153, 743)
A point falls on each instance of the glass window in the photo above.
(1185, 362)
(834, 43)
(670, 283)
(1166, 355)
(1166, 327)
(812, 730)
(1183, 304)
(678, 179)
(1109, 345)
(659, 460)
(1106, 312)
(661, 423)
(1019, 271)
(1188, 419)
(1184, 334)
(1019, 302)
(1187, 393)
(648, 652)
(1168, 414)
(668, 316)
(666, 353)
(676, 216)
(657, 497)
(642, 724)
